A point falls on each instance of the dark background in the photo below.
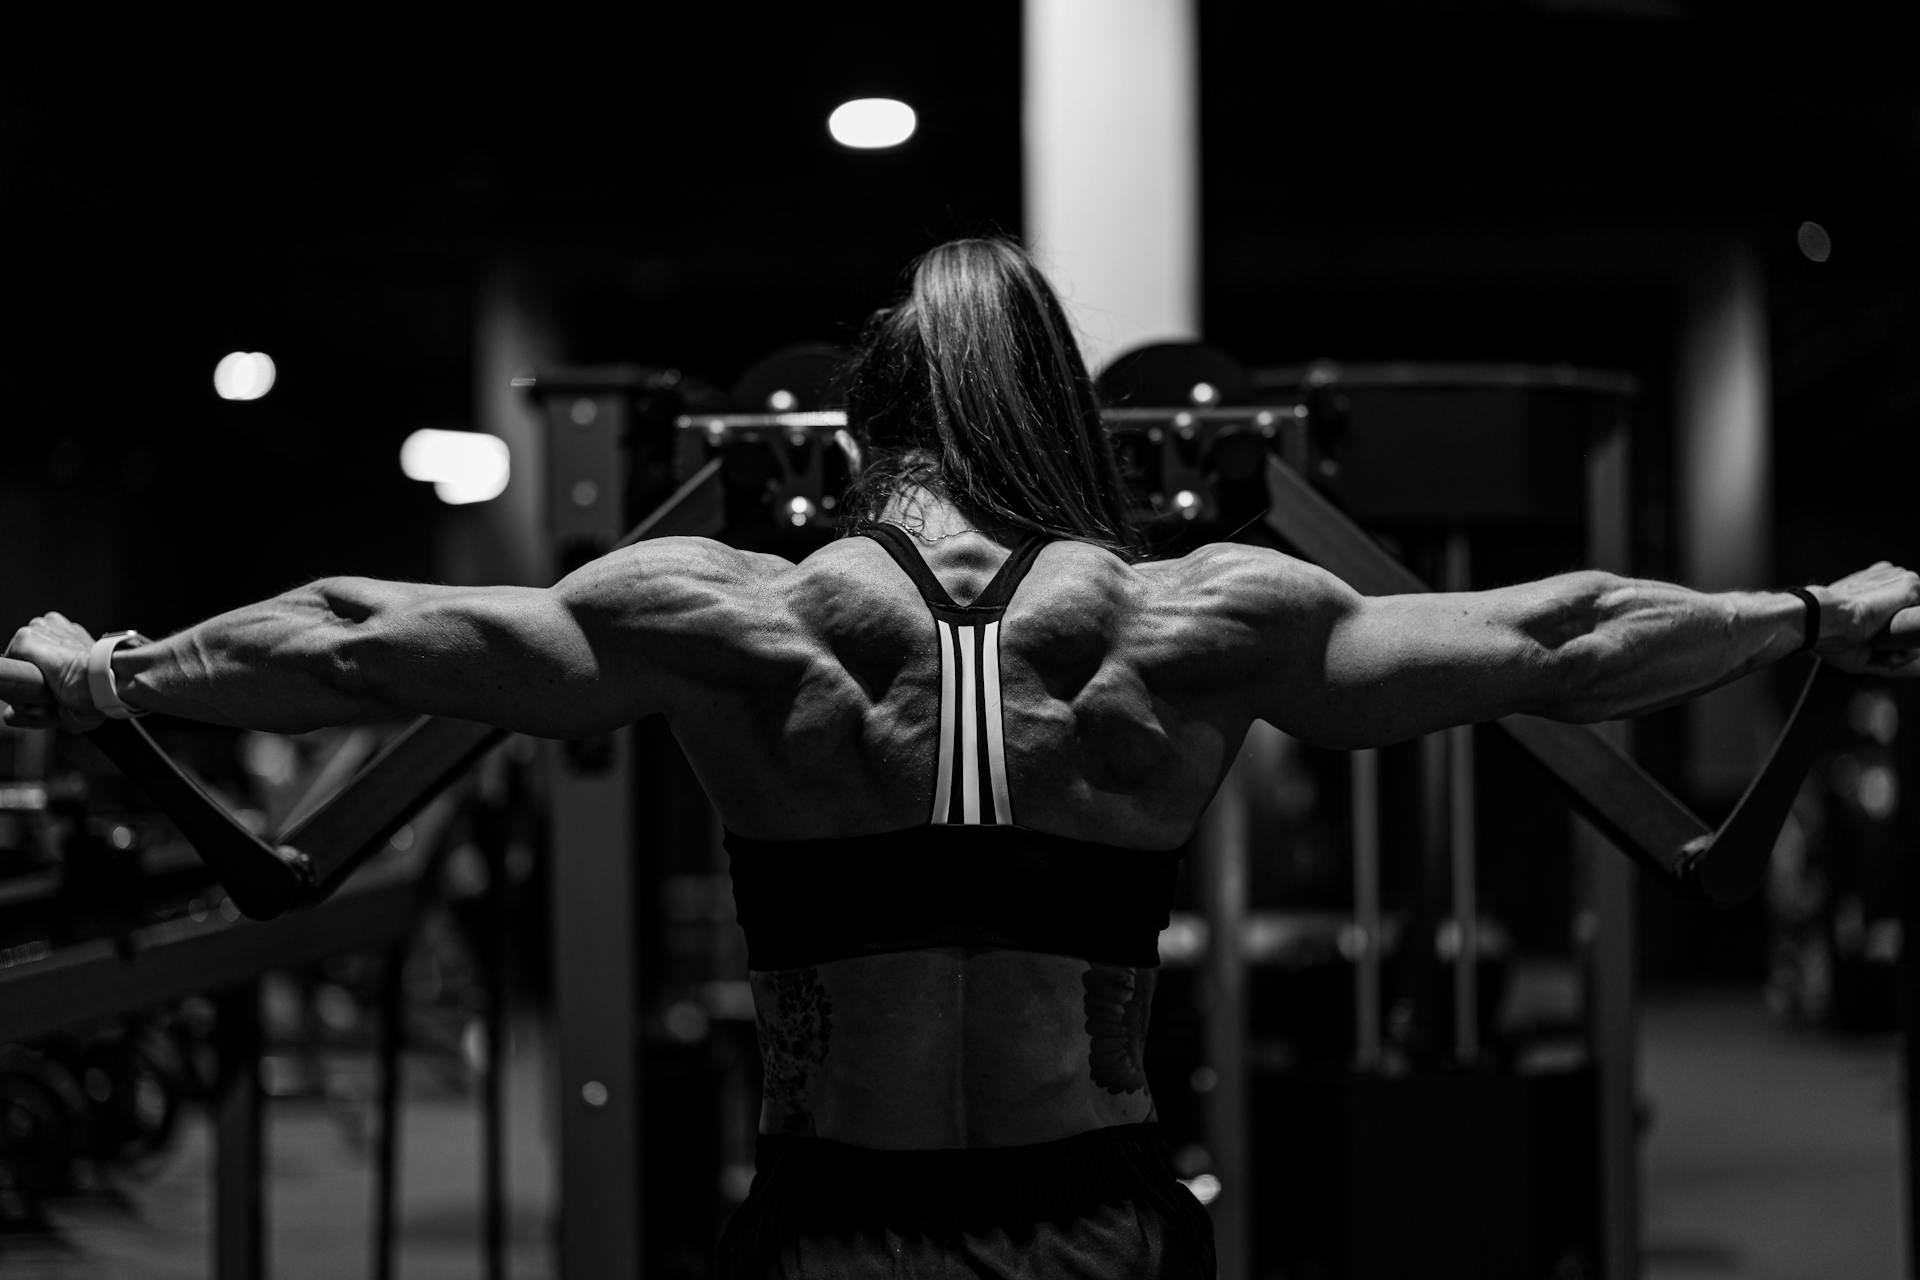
(1435, 181)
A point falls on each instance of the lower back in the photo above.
(952, 1047)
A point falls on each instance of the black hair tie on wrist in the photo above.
(1812, 624)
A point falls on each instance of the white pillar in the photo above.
(1111, 94)
(1725, 483)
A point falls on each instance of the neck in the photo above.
(930, 517)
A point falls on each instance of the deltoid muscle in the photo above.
(1118, 1001)
(794, 1032)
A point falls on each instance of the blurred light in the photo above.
(1204, 1079)
(781, 401)
(871, 123)
(1872, 714)
(1191, 1159)
(1879, 791)
(1184, 938)
(736, 1181)
(1205, 1188)
(1204, 393)
(686, 1022)
(1815, 242)
(243, 375)
(464, 466)
(473, 1044)
(799, 510)
(1188, 503)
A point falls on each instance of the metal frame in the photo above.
(1612, 1019)
(596, 858)
(161, 963)
(592, 870)
(1446, 766)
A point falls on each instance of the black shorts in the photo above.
(1099, 1204)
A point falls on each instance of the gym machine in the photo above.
(170, 937)
(768, 478)
(1493, 1127)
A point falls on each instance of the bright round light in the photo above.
(243, 375)
(464, 466)
(871, 123)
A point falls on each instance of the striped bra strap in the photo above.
(970, 779)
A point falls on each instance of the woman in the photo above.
(957, 755)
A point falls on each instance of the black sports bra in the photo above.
(970, 874)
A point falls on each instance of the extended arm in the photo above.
(617, 640)
(1359, 671)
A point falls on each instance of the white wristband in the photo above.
(106, 696)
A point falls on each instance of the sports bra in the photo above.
(970, 874)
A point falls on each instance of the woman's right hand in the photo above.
(1870, 621)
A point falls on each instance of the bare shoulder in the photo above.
(743, 602)
(1220, 585)
(687, 613)
(1231, 579)
(1218, 617)
(1229, 615)
(665, 578)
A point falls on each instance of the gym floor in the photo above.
(1773, 1155)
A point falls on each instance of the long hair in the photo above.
(973, 387)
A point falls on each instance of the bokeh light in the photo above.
(869, 124)
(463, 466)
(244, 375)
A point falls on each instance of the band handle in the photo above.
(22, 685)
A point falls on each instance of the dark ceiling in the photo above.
(1440, 181)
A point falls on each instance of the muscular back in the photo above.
(1117, 698)
(805, 698)
(1119, 715)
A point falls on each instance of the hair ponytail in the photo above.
(974, 387)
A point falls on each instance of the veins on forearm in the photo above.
(1661, 644)
(273, 665)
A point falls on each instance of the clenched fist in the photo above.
(58, 646)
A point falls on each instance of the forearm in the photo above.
(1632, 646)
(283, 665)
